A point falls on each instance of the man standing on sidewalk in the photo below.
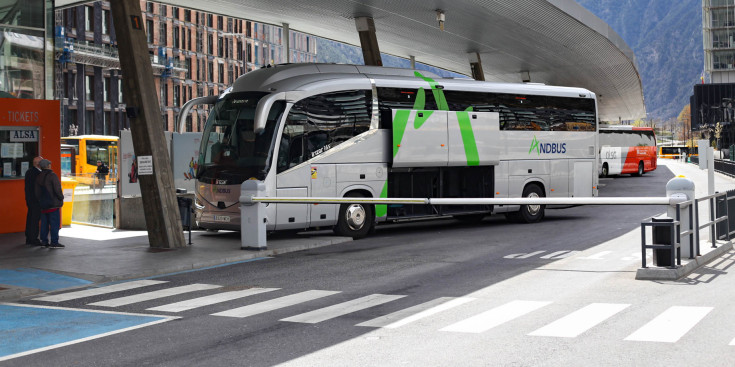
(51, 199)
(34, 208)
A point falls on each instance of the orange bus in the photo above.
(627, 149)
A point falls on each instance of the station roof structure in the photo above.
(557, 42)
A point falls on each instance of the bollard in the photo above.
(683, 188)
(252, 216)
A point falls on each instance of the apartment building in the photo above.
(193, 54)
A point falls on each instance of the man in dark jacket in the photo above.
(51, 199)
(34, 209)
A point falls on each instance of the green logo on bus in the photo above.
(534, 145)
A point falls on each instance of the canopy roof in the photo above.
(557, 42)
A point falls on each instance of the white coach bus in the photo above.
(325, 130)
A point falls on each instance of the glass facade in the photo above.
(23, 56)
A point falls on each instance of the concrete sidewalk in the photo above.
(95, 255)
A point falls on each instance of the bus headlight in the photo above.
(198, 204)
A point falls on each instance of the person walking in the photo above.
(51, 199)
(34, 209)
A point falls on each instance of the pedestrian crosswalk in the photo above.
(469, 317)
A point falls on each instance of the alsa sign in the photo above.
(21, 136)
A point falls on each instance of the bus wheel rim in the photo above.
(355, 216)
(533, 209)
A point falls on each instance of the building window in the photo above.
(177, 91)
(249, 54)
(119, 91)
(187, 63)
(164, 98)
(187, 15)
(106, 87)
(163, 10)
(219, 47)
(175, 37)
(210, 44)
(149, 7)
(219, 22)
(175, 12)
(210, 72)
(163, 37)
(239, 50)
(248, 33)
(209, 20)
(149, 30)
(221, 73)
(105, 21)
(229, 25)
(89, 18)
(89, 87)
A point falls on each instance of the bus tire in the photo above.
(605, 170)
(529, 213)
(355, 220)
(640, 171)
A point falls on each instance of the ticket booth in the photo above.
(28, 128)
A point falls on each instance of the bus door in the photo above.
(112, 163)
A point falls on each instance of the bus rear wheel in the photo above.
(529, 213)
(355, 220)
(640, 170)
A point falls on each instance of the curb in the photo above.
(683, 270)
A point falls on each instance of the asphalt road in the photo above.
(495, 283)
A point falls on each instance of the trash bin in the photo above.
(67, 186)
(661, 235)
(184, 210)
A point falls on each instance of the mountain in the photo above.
(665, 35)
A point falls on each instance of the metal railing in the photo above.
(250, 201)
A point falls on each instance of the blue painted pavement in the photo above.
(26, 328)
(38, 279)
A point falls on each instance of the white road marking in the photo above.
(560, 254)
(578, 322)
(99, 291)
(275, 304)
(122, 301)
(671, 325)
(344, 308)
(418, 312)
(497, 316)
(210, 300)
(523, 255)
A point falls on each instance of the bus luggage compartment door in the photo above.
(583, 172)
(292, 216)
(419, 138)
(473, 138)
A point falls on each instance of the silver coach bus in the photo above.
(325, 130)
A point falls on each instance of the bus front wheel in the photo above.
(529, 213)
(355, 220)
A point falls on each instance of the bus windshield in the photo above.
(231, 151)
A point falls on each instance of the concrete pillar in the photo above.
(159, 197)
(287, 42)
(413, 62)
(99, 102)
(81, 100)
(476, 66)
(368, 41)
